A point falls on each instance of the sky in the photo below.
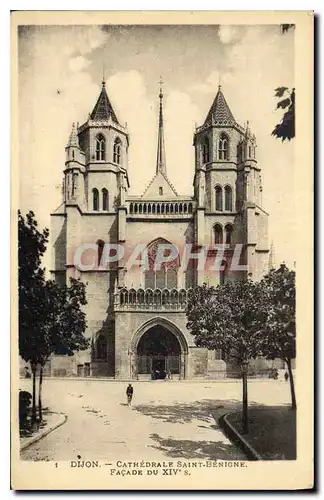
(248, 61)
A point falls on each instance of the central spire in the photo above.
(160, 159)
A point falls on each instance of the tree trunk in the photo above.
(292, 385)
(40, 410)
(33, 369)
(245, 405)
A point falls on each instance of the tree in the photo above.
(63, 324)
(230, 317)
(31, 280)
(286, 128)
(280, 327)
(51, 320)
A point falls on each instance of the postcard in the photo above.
(162, 301)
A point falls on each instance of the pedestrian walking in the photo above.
(129, 393)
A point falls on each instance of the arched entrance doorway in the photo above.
(158, 353)
(159, 350)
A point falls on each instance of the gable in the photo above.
(159, 181)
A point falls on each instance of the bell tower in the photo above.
(228, 188)
(104, 142)
(216, 154)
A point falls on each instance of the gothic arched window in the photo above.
(218, 198)
(95, 199)
(100, 245)
(228, 199)
(228, 233)
(223, 147)
(100, 148)
(205, 150)
(218, 234)
(117, 150)
(104, 199)
(74, 184)
(167, 275)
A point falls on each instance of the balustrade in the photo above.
(160, 208)
(165, 299)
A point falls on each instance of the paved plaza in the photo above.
(167, 419)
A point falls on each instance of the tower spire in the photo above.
(160, 159)
(73, 139)
(103, 75)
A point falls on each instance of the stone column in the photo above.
(182, 366)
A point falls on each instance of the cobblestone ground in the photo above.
(166, 420)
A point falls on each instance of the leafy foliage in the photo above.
(51, 319)
(279, 92)
(286, 128)
(286, 27)
(281, 323)
(31, 282)
(68, 321)
(229, 317)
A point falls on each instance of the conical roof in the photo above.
(103, 109)
(220, 113)
(73, 139)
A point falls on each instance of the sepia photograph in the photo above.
(160, 190)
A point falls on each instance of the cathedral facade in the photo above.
(136, 310)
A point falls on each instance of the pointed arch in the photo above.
(100, 148)
(160, 321)
(100, 246)
(205, 150)
(95, 199)
(117, 151)
(223, 147)
(74, 184)
(228, 234)
(105, 199)
(167, 276)
(228, 199)
(218, 234)
(218, 198)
